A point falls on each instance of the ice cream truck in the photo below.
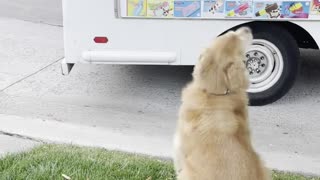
(174, 32)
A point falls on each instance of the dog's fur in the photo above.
(212, 140)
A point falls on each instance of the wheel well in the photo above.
(303, 38)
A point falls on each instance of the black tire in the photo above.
(289, 49)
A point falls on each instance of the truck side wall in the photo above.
(84, 20)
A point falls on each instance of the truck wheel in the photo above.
(272, 63)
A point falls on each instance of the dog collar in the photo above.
(224, 94)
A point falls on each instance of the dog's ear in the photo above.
(201, 66)
(236, 77)
(211, 76)
(219, 82)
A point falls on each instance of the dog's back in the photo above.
(212, 139)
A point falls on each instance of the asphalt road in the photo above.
(131, 100)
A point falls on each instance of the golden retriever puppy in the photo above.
(212, 139)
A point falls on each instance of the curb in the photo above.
(59, 132)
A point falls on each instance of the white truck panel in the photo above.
(141, 40)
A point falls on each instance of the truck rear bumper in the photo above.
(127, 56)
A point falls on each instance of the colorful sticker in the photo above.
(137, 7)
(160, 8)
(295, 9)
(315, 7)
(213, 8)
(187, 8)
(257, 9)
(238, 8)
(267, 10)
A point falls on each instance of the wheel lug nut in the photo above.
(247, 55)
(250, 72)
(262, 58)
(256, 54)
(263, 65)
(258, 71)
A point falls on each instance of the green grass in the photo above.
(288, 176)
(51, 161)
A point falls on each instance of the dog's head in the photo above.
(220, 67)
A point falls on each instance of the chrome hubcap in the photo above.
(264, 63)
(256, 63)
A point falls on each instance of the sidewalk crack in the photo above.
(30, 75)
(21, 136)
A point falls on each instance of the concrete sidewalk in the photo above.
(26, 48)
(58, 132)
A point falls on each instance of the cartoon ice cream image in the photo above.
(316, 6)
(136, 7)
(189, 9)
(238, 10)
(162, 10)
(296, 8)
(272, 10)
(216, 6)
(139, 7)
